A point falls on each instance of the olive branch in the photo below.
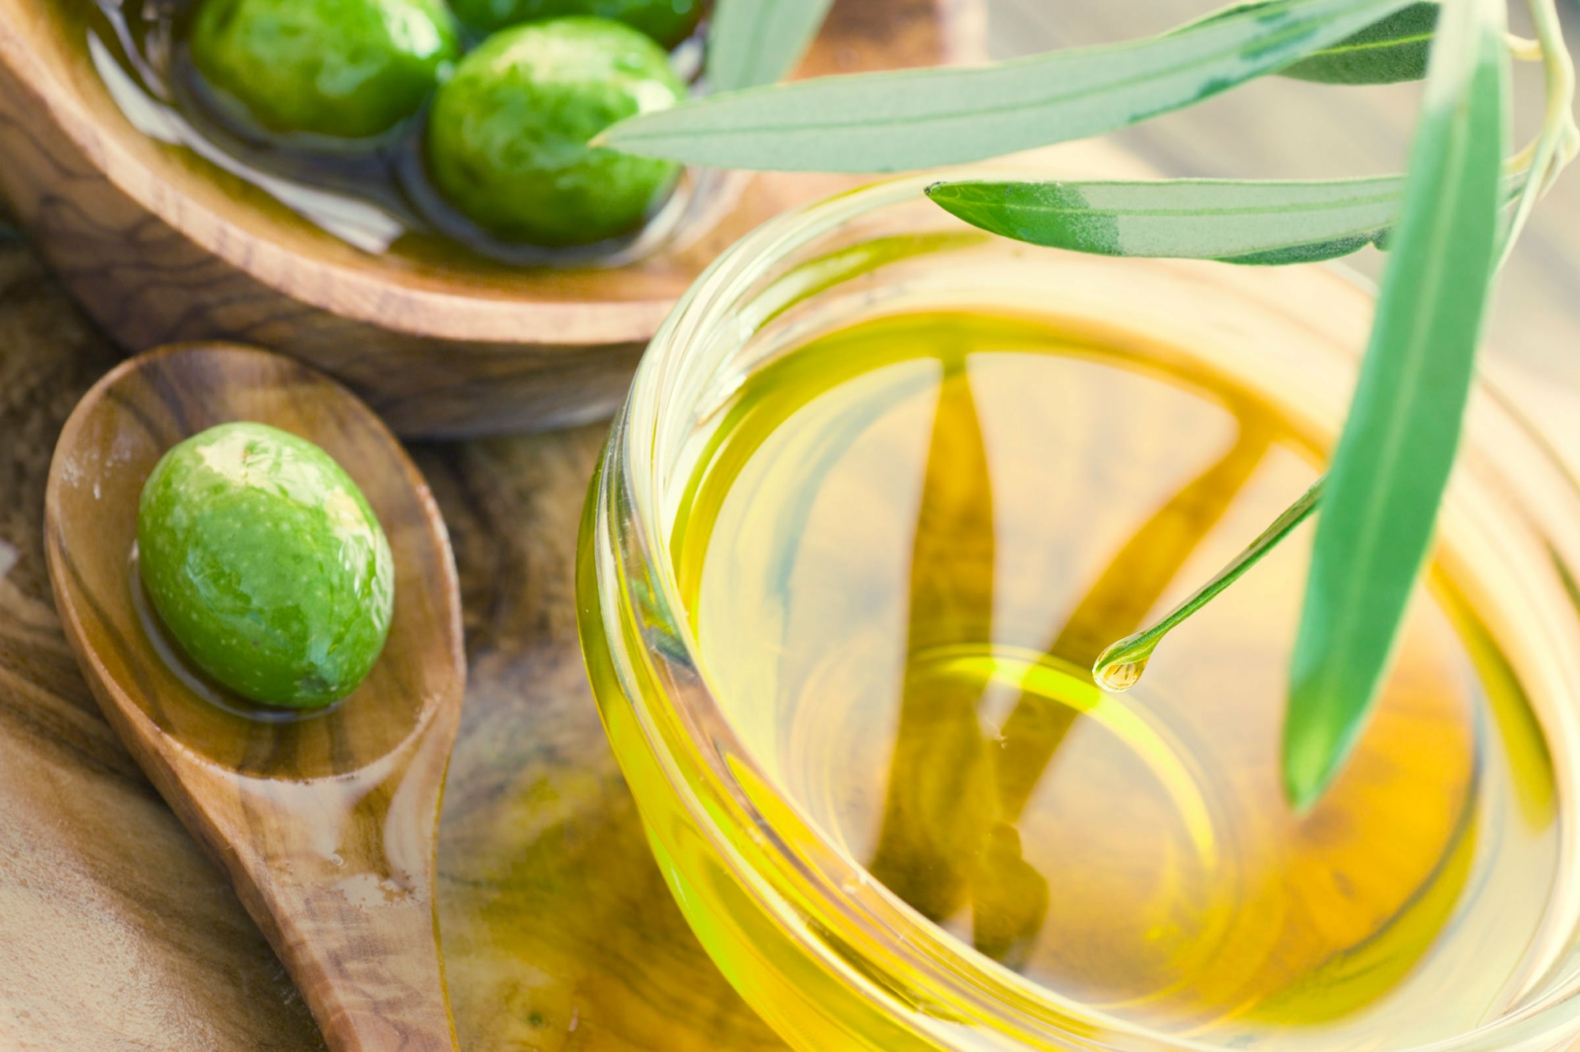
(1447, 224)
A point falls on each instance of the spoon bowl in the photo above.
(325, 822)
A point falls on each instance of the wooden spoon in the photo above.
(162, 245)
(325, 823)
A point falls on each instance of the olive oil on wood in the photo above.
(325, 822)
(161, 246)
(115, 932)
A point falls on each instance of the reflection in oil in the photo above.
(949, 832)
(909, 542)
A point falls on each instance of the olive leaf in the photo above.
(756, 42)
(1228, 220)
(896, 121)
(1391, 50)
(1393, 460)
(1266, 223)
(1009, 899)
(953, 798)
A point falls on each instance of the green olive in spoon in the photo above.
(324, 819)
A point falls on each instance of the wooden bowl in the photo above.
(161, 245)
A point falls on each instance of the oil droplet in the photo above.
(1122, 676)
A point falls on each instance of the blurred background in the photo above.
(1273, 128)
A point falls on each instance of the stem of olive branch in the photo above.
(1524, 49)
(1559, 140)
(1119, 666)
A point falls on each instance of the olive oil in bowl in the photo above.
(885, 487)
(905, 544)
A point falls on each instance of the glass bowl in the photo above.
(828, 955)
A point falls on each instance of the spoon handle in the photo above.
(364, 953)
(340, 875)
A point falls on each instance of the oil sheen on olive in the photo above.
(265, 561)
(346, 69)
(507, 135)
(666, 21)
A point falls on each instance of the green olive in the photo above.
(349, 69)
(508, 134)
(666, 21)
(265, 562)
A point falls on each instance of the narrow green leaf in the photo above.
(1393, 460)
(1263, 223)
(1390, 51)
(881, 122)
(756, 42)
(1387, 51)
(1233, 221)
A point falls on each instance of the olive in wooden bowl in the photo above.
(162, 219)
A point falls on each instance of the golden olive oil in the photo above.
(904, 547)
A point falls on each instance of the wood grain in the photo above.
(326, 822)
(161, 246)
(559, 932)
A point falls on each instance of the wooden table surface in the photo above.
(115, 934)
